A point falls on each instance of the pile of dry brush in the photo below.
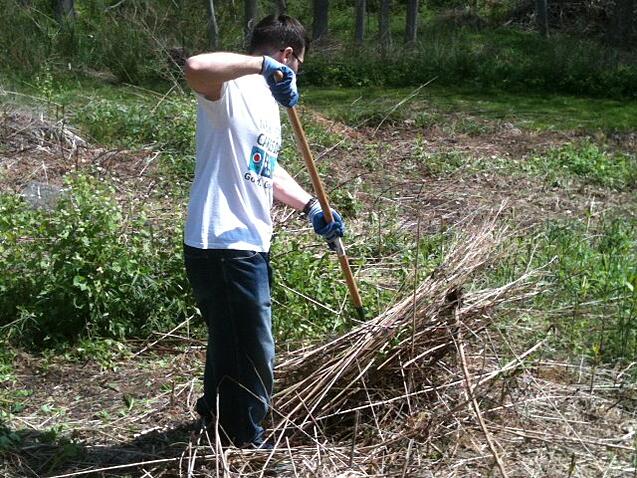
(429, 388)
(357, 405)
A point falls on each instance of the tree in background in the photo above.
(359, 27)
(411, 26)
(64, 10)
(213, 28)
(622, 23)
(319, 25)
(384, 32)
(542, 17)
(280, 7)
(250, 16)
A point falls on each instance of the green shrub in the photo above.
(500, 58)
(142, 42)
(300, 272)
(133, 40)
(169, 124)
(83, 269)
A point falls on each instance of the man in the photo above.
(228, 230)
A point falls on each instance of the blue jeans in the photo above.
(233, 292)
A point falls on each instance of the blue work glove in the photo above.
(330, 231)
(284, 91)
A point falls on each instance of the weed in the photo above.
(79, 271)
(17, 400)
(106, 352)
(309, 294)
(428, 119)
(445, 162)
(141, 123)
(591, 296)
(9, 440)
(7, 356)
(66, 449)
(301, 273)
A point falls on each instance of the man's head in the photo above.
(281, 37)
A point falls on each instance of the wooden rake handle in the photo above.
(304, 147)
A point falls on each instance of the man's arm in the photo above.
(206, 73)
(288, 191)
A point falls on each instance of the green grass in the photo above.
(590, 285)
(587, 162)
(436, 105)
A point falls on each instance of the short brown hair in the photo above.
(275, 32)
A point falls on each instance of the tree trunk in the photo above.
(319, 26)
(384, 33)
(280, 7)
(542, 17)
(65, 10)
(213, 28)
(250, 16)
(359, 30)
(622, 23)
(411, 27)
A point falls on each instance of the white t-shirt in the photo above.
(238, 140)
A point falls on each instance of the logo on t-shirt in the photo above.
(262, 163)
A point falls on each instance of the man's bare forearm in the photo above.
(288, 191)
(207, 72)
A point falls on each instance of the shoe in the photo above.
(207, 424)
(265, 445)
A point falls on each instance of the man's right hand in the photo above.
(284, 90)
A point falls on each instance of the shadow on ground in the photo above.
(28, 453)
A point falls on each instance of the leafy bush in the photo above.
(143, 42)
(83, 269)
(169, 124)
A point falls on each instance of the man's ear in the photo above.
(287, 54)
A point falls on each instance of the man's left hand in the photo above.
(330, 231)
